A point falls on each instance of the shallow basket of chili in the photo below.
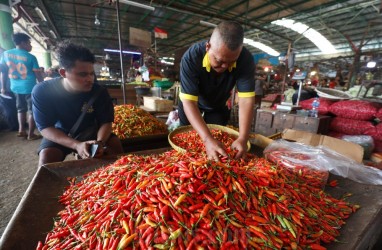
(184, 135)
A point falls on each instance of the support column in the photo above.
(47, 60)
(6, 28)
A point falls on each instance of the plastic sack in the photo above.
(349, 126)
(375, 132)
(379, 114)
(285, 154)
(355, 109)
(321, 159)
(365, 141)
(324, 107)
(173, 120)
(378, 146)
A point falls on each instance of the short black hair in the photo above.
(19, 38)
(231, 33)
(68, 53)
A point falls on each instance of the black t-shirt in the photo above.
(212, 90)
(53, 106)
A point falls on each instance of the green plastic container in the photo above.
(163, 84)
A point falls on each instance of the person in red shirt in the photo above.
(332, 83)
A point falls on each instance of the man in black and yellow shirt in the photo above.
(208, 73)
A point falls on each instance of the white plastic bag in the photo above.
(173, 120)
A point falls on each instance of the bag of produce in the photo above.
(379, 114)
(349, 126)
(288, 155)
(320, 160)
(378, 146)
(354, 109)
(323, 109)
(375, 132)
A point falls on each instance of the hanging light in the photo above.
(371, 64)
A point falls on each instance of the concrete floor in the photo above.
(18, 164)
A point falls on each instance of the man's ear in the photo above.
(208, 45)
(62, 72)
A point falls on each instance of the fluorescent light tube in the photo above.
(144, 6)
(52, 33)
(40, 14)
(208, 24)
(123, 51)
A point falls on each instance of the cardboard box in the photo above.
(348, 149)
(157, 104)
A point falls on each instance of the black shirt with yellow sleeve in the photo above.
(199, 82)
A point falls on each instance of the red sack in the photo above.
(355, 109)
(379, 114)
(323, 109)
(350, 127)
(377, 146)
(375, 132)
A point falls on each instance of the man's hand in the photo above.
(214, 148)
(241, 147)
(83, 149)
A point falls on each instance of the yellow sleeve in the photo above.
(184, 96)
(246, 94)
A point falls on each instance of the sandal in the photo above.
(34, 137)
(22, 134)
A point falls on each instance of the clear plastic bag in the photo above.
(320, 159)
(297, 160)
(173, 120)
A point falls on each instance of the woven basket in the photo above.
(183, 129)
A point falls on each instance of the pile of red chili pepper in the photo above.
(184, 201)
(131, 121)
(191, 141)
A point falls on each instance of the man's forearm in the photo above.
(104, 132)
(245, 116)
(55, 135)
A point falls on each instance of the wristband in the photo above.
(101, 143)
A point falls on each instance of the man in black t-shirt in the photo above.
(59, 102)
(208, 73)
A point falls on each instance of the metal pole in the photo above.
(286, 71)
(155, 55)
(120, 53)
